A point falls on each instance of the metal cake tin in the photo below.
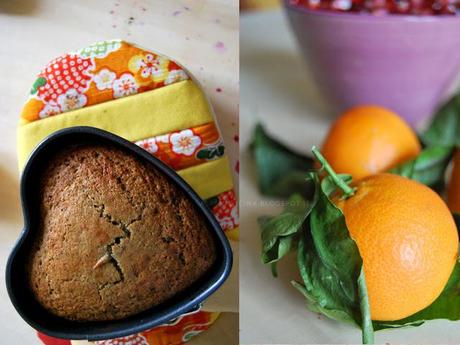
(16, 276)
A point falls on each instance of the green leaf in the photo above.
(281, 171)
(318, 298)
(428, 167)
(313, 306)
(279, 233)
(445, 125)
(38, 83)
(440, 139)
(330, 264)
(280, 248)
(446, 306)
(335, 255)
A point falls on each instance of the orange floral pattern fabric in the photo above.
(99, 73)
(225, 209)
(187, 147)
(176, 332)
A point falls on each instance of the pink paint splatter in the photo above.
(176, 13)
(218, 89)
(220, 47)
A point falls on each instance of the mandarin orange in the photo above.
(453, 189)
(408, 240)
(366, 140)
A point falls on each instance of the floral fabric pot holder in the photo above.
(132, 92)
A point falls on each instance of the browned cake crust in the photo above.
(116, 237)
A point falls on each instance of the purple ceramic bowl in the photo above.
(405, 63)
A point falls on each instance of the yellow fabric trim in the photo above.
(177, 106)
(233, 234)
(210, 178)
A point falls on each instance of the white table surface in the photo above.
(277, 90)
(32, 32)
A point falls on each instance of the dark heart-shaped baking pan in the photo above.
(16, 280)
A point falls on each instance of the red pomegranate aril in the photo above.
(382, 7)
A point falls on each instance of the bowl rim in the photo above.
(142, 322)
(368, 17)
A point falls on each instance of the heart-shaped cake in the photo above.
(115, 236)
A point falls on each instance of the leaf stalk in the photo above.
(347, 190)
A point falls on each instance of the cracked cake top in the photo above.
(116, 236)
